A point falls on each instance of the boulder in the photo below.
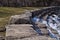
(21, 30)
(20, 19)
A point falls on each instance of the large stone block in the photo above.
(20, 19)
(22, 30)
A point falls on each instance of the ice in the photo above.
(51, 22)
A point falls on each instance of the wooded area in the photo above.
(20, 3)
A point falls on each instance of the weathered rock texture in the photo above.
(32, 38)
(24, 32)
(20, 19)
(20, 28)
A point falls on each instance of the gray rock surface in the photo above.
(24, 32)
(23, 18)
(35, 37)
(38, 38)
(21, 30)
